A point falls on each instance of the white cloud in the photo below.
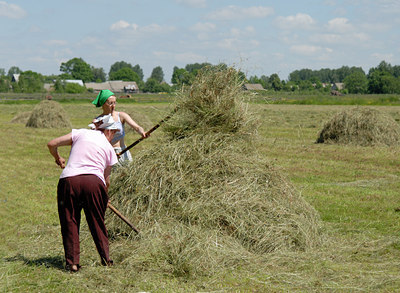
(203, 27)
(390, 6)
(249, 30)
(350, 38)
(340, 25)
(56, 43)
(380, 57)
(193, 3)
(154, 28)
(228, 44)
(122, 25)
(11, 10)
(236, 13)
(298, 21)
(189, 57)
(309, 49)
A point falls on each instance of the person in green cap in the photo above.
(107, 101)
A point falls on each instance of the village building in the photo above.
(253, 87)
(116, 86)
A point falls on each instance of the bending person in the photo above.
(83, 184)
(107, 100)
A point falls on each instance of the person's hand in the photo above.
(145, 134)
(61, 162)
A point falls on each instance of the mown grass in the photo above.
(355, 190)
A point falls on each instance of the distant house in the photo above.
(253, 87)
(15, 77)
(77, 81)
(48, 86)
(116, 86)
(337, 86)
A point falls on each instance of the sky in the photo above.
(259, 37)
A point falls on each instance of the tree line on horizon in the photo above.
(382, 79)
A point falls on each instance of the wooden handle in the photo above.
(122, 217)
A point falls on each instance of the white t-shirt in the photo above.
(91, 153)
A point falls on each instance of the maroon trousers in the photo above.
(85, 192)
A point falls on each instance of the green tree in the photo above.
(125, 74)
(13, 70)
(356, 83)
(390, 84)
(181, 76)
(98, 74)
(275, 82)
(78, 69)
(5, 84)
(305, 85)
(152, 86)
(157, 74)
(30, 82)
(119, 65)
(139, 71)
(74, 88)
(195, 67)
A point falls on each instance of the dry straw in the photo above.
(21, 117)
(203, 198)
(48, 114)
(361, 126)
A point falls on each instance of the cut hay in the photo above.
(22, 117)
(361, 126)
(203, 198)
(215, 103)
(48, 114)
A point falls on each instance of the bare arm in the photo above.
(57, 142)
(107, 172)
(126, 118)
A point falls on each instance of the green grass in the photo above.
(293, 98)
(355, 190)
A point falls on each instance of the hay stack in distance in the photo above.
(361, 126)
(48, 114)
(21, 117)
(203, 198)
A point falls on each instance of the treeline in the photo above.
(383, 79)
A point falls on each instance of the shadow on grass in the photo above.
(48, 261)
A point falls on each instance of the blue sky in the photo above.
(260, 37)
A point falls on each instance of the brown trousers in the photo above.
(85, 192)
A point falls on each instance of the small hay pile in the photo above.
(48, 114)
(361, 126)
(204, 199)
(21, 117)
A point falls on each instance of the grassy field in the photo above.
(355, 190)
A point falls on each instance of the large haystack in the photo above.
(203, 198)
(48, 114)
(361, 126)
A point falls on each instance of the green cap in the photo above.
(102, 97)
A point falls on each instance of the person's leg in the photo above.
(95, 205)
(69, 211)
